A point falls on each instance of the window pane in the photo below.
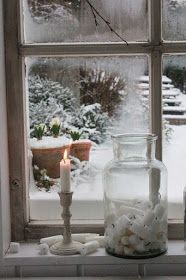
(174, 20)
(96, 97)
(174, 149)
(75, 21)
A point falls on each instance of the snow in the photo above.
(174, 157)
(80, 141)
(165, 79)
(49, 142)
(181, 117)
(87, 178)
(173, 101)
(90, 193)
(174, 108)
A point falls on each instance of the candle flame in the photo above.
(65, 155)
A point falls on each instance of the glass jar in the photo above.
(135, 198)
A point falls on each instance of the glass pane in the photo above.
(94, 97)
(174, 20)
(76, 21)
(174, 109)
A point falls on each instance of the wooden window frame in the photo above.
(16, 51)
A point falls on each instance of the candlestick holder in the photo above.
(66, 246)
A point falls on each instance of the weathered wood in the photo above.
(176, 229)
(39, 230)
(4, 172)
(156, 74)
(16, 120)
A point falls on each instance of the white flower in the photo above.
(41, 126)
(55, 121)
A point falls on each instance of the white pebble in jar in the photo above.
(134, 240)
(159, 211)
(128, 251)
(140, 230)
(125, 240)
(122, 224)
(149, 217)
(140, 247)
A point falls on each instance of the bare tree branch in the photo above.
(96, 13)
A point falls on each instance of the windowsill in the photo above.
(28, 255)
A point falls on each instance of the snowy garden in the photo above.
(77, 104)
(83, 115)
(87, 105)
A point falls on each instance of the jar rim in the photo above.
(134, 137)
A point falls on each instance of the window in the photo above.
(64, 48)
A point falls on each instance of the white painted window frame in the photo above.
(16, 51)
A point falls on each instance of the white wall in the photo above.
(4, 183)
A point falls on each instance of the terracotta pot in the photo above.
(80, 149)
(49, 159)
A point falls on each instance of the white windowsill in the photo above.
(28, 255)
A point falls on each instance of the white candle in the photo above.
(65, 173)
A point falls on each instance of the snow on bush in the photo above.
(92, 122)
(49, 99)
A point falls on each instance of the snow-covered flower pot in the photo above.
(48, 152)
(81, 149)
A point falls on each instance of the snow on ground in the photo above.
(90, 193)
(174, 157)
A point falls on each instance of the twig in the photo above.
(96, 13)
(95, 18)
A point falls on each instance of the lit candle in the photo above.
(65, 173)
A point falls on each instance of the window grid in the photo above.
(16, 48)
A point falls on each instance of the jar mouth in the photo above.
(134, 137)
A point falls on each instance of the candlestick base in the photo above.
(60, 248)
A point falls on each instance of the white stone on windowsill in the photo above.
(28, 255)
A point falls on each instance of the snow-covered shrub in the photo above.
(92, 122)
(49, 99)
(46, 10)
(98, 86)
(177, 75)
(42, 180)
(42, 89)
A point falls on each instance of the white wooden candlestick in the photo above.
(66, 246)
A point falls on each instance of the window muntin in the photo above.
(73, 21)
